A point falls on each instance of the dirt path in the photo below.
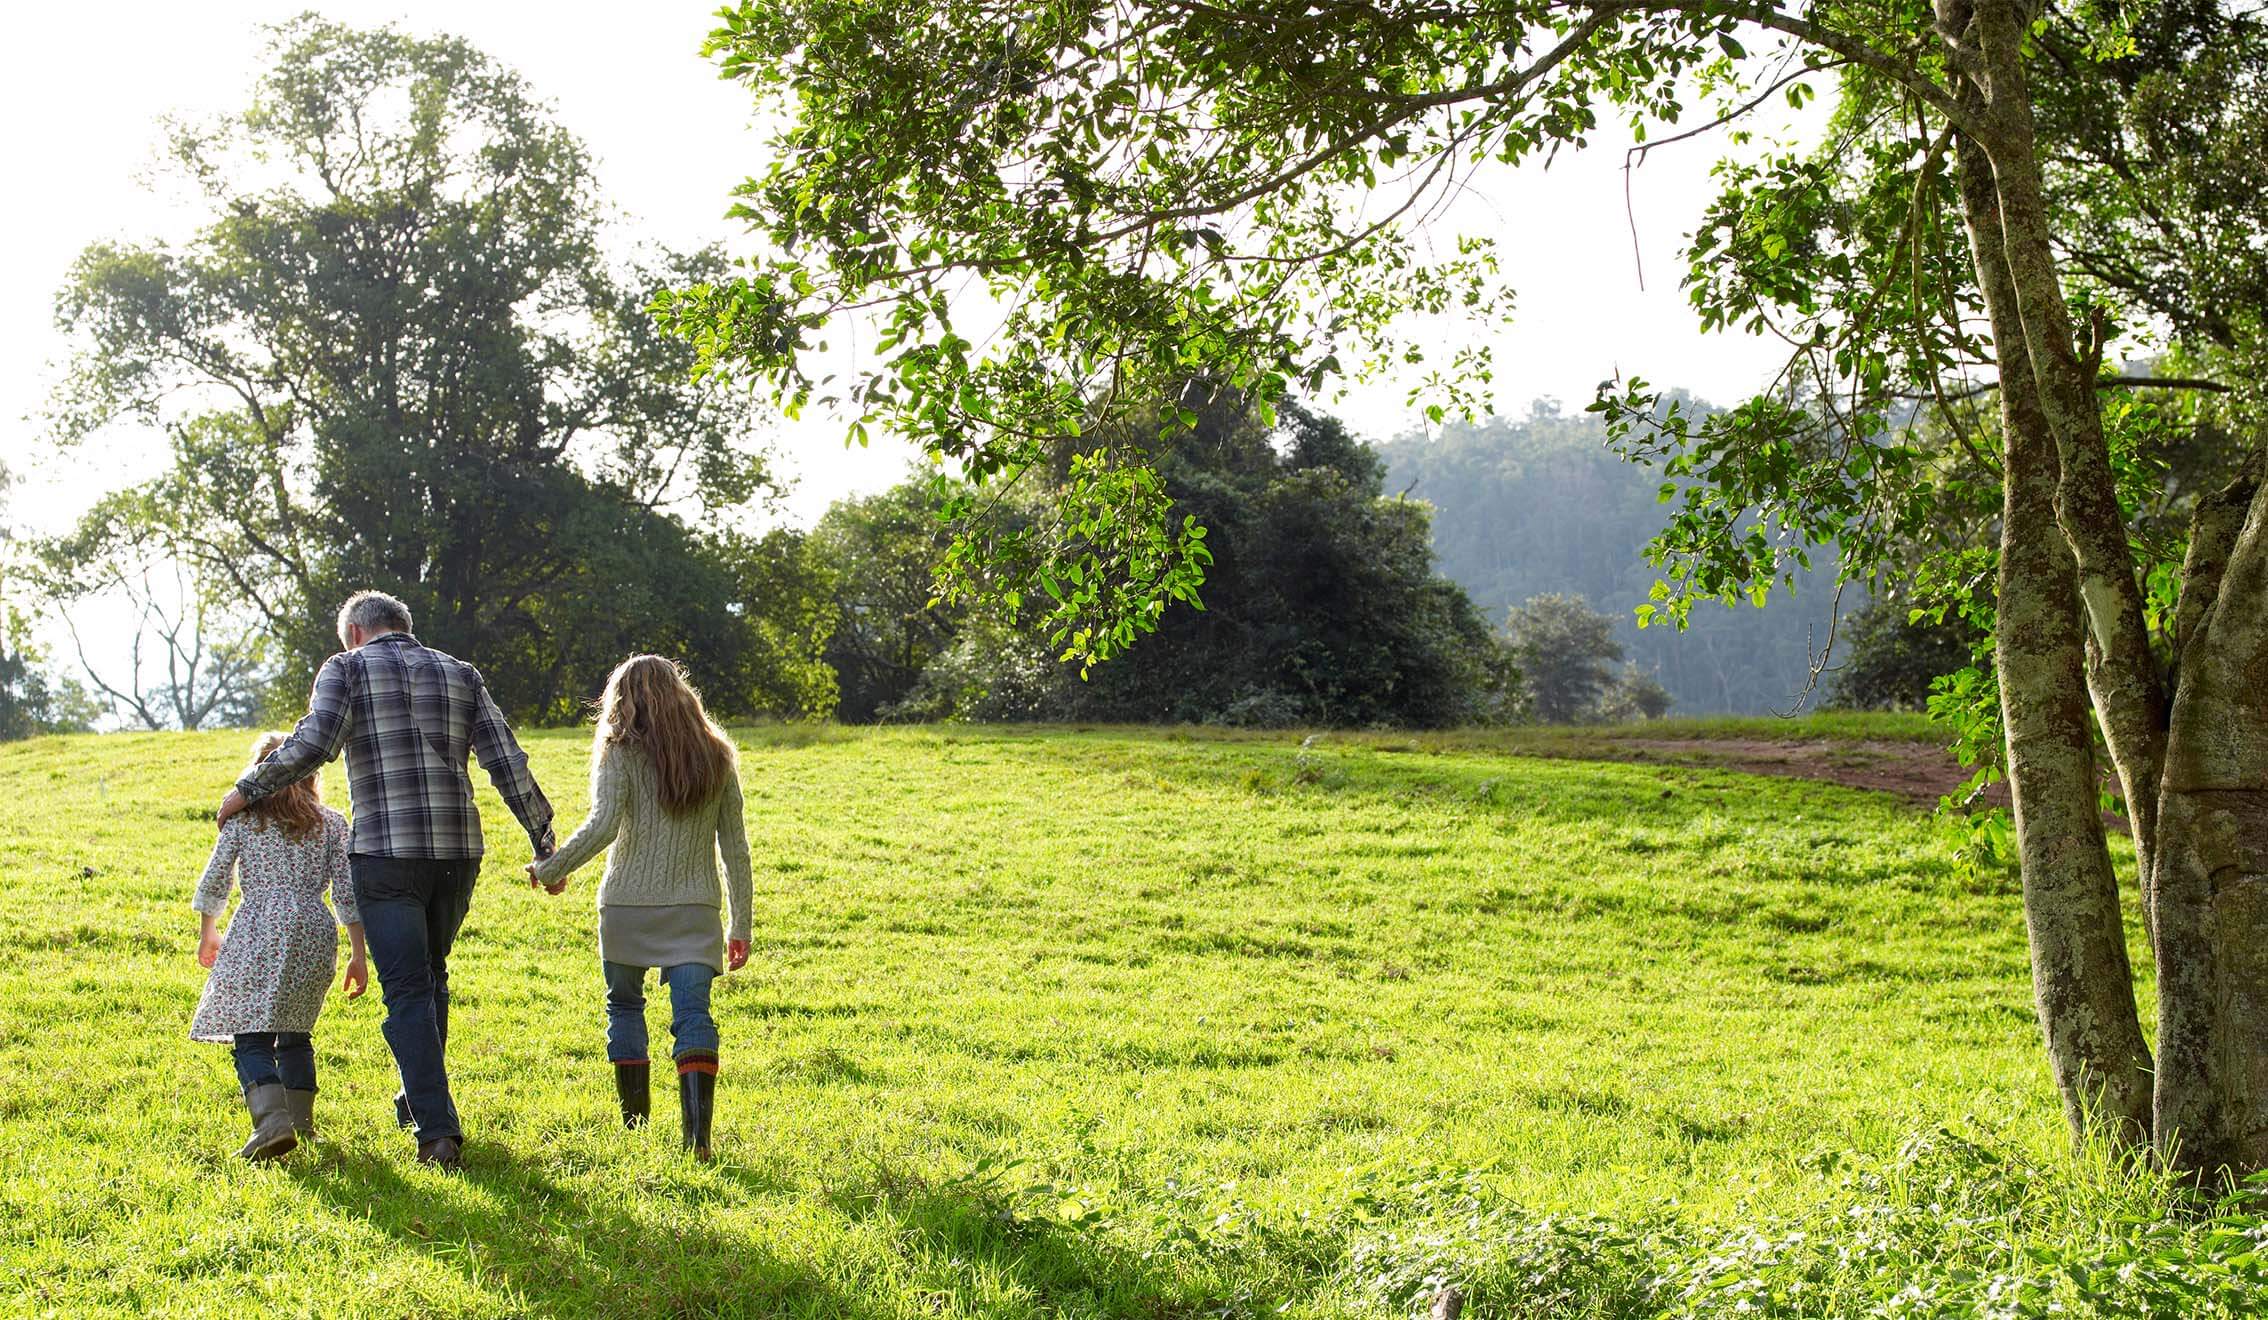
(1918, 772)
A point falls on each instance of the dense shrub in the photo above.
(1887, 660)
(1949, 1228)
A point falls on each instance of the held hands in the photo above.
(208, 948)
(535, 881)
(736, 955)
(357, 977)
(229, 806)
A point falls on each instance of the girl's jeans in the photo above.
(265, 1058)
(689, 1021)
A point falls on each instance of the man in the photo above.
(407, 717)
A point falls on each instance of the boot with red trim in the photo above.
(697, 1100)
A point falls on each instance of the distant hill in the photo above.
(1541, 504)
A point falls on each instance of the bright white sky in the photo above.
(83, 87)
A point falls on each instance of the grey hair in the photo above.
(373, 612)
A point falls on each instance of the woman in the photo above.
(665, 792)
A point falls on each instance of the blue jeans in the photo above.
(411, 909)
(689, 1022)
(266, 1058)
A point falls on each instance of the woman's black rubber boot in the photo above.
(697, 1100)
(633, 1084)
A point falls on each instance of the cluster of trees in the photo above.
(33, 698)
(1564, 649)
(403, 356)
(1543, 507)
(1321, 604)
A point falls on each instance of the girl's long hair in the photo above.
(296, 809)
(650, 704)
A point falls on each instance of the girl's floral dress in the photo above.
(276, 964)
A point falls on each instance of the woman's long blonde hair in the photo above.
(650, 704)
(296, 808)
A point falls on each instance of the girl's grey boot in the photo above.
(301, 1105)
(271, 1123)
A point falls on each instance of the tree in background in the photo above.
(780, 591)
(397, 355)
(1541, 504)
(193, 658)
(32, 699)
(1889, 659)
(881, 552)
(184, 667)
(1566, 651)
(1564, 648)
(1322, 605)
(1637, 695)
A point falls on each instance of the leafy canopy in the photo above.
(1060, 213)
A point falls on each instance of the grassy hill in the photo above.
(1111, 1022)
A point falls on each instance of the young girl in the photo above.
(270, 975)
(665, 791)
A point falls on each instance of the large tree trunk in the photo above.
(2195, 769)
(2210, 887)
(2122, 674)
(2082, 982)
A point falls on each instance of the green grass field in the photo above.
(1107, 1023)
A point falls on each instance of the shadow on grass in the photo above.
(507, 1226)
(542, 1247)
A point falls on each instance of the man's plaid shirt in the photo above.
(407, 717)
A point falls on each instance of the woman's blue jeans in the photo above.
(266, 1058)
(689, 1022)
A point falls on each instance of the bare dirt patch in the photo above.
(1915, 771)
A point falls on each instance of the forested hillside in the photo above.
(1542, 505)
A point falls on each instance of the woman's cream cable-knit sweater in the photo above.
(659, 859)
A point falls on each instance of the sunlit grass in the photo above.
(1116, 1022)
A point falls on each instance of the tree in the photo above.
(1166, 191)
(2096, 613)
(1323, 606)
(776, 626)
(1564, 647)
(203, 673)
(1323, 602)
(1638, 695)
(882, 553)
(32, 701)
(1890, 661)
(1541, 503)
(397, 355)
(193, 660)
